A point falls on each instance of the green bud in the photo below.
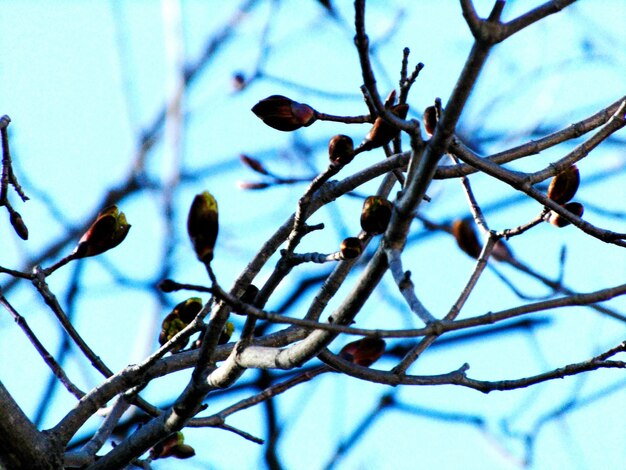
(202, 225)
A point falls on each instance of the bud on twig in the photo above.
(382, 132)
(202, 225)
(18, 225)
(108, 231)
(254, 164)
(172, 446)
(188, 309)
(575, 208)
(375, 214)
(284, 114)
(170, 327)
(178, 319)
(351, 248)
(430, 120)
(363, 352)
(253, 185)
(466, 238)
(563, 186)
(341, 150)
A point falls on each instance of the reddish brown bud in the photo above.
(351, 248)
(18, 225)
(563, 186)
(575, 208)
(253, 185)
(284, 114)
(375, 214)
(466, 238)
(363, 352)
(108, 231)
(430, 120)
(254, 164)
(382, 132)
(202, 225)
(341, 150)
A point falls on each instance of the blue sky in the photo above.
(80, 80)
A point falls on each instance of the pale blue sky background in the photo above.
(80, 80)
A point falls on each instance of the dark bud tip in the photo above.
(341, 150)
(363, 352)
(375, 215)
(18, 225)
(253, 185)
(466, 238)
(351, 248)
(284, 114)
(575, 208)
(253, 164)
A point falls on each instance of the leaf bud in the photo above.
(363, 352)
(18, 225)
(188, 309)
(170, 327)
(202, 225)
(172, 446)
(575, 208)
(341, 150)
(351, 248)
(284, 114)
(563, 186)
(375, 214)
(430, 120)
(466, 238)
(254, 164)
(253, 185)
(382, 132)
(109, 230)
